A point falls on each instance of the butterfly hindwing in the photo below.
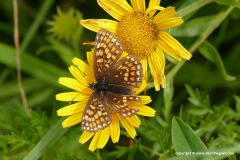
(118, 103)
(96, 115)
(128, 71)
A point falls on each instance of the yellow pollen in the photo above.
(138, 34)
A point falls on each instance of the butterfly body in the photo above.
(116, 89)
(114, 79)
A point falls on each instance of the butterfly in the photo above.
(114, 78)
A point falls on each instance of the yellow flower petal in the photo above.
(157, 64)
(90, 58)
(79, 76)
(160, 56)
(124, 54)
(72, 120)
(134, 121)
(144, 100)
(164, 14)
(104, 136)
(170, 51)
(116, 8)
(115, 129)
(172, 47)
(164, 24)
(72, 83)
(71, 97)
(129, 128)
(138, 5)
(152, 10)
(71, 109)
(94, 143)
(84, 69)
(141, 88)
(85, 137)
(153, 6)
(154, 3)
(146, 111)
(96, 24)
(145, 69)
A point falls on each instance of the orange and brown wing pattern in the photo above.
(128, 71)
(108, 49)
(118, 103)
(96, 115)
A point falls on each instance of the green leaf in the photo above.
(211, 53)
(38, 20)
(192, 28)
(186, 141)
(194, 95)
(233, 3)
(52, 136)
(198, 111)
(237, 99)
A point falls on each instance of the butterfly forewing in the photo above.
(96, 115)
(128, 71)
(107, 51)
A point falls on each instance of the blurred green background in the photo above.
(203, 92)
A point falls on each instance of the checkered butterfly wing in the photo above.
(107, 51)
(96, 115)
(128, 71)
(119, 104)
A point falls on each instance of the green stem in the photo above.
(77, 50)
(98, 156)
(194, 6)
(219, 19)
(36, 23)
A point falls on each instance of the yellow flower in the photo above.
(142, 33)
(83, 76)
(65, 24)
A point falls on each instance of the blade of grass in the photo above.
(10, 88)
(52, 136)
(193, 7)
(36, 23)
(32, 65)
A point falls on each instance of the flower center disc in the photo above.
(138, 34)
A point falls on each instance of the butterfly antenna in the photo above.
(84, 76)
(78, 95)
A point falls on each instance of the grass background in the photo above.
(203, 92)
